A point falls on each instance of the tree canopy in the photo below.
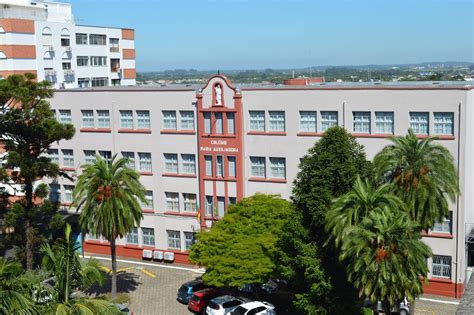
(242, 247)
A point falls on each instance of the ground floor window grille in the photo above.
(442, 266)
(174, 240)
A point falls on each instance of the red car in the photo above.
(198, 302)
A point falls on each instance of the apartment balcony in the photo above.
(49, 48)
(68, 72)
(114, 49)
(49, 73)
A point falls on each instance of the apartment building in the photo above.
(200, 149)
(41, 37)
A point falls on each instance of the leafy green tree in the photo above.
(108, 194)
(326, 172)
(424, 176)
(351, 208)
(28, 128)
(241, 248)
(70, 275)
(385, 257)
(15, 298)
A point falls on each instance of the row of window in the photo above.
(214, 123)
(216, 208)
(95, 61)
(95, 40)
(96, 82)
(362, 122)
(148, 238)
(277, 167)
(221, 164)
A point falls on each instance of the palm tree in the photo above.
(71, 274)
(385, 257)
(424, 176)
(351, 208)
(15, 296)
(108, 194)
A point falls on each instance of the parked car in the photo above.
(187, 290)
(254, 308)
(198, 302)
(222, 305)
(123, 308)
(402, 308)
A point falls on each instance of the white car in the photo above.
(254, 308)
(222, 305)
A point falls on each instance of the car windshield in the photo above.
(213, 305)
(239, 311)
(183, 289)
(195, 298)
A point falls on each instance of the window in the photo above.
(83, 83)
(89, 156)
(208, 159)
(257, 166)
(103, 119)
(65, 116)
(207, 122)
(189, 163)
(144, 161)
(174, 239)
(308, 121)
(328, 120)
(98, 82)
(187, 120)
(148, 236)
(66, 65)
(419, 122)
(149, 200)
(53, 154)
(65, 42)
(126, 119)
(114, 44)
(68, 193)
(171, 163)
(82, 61)
(98, 61)
(81, 39)
(257, 120)
(131, 159)
(143, 119)
(189, 238)
(219, 126)
(169, 120)
(361, 122)
(277, 120)
(230, 123)
(68, 158)
(172, 201)
(54, 192)
(445, 225)
(209, 206)
(106, 155)
(231, 165)
(219, 165)
(444, 123)
(95, 39)
(441, 266)
(384, 122)
(232, 200)
(114, 65)
(87, 118)
(189, 202)
(220, 206)
(132, 236)
(277, 168)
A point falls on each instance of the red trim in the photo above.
(181, 214)
(422, 136)
(177, 132)
(179, 175)
(218, 135)
(220, 179)
(368, 135)
(443, 287)
(216, 218)
(445, 137)
(437, 235)
(148, 211)
(101, 130)
(66, 204)
(134, 130)
(267, 133)
(310, 134)
(67, 169)
(219, 109)
(146, 173)
(267, 180)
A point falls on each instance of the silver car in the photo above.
(224, 304)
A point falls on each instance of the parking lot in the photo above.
(152, 288)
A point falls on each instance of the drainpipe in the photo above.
(457, 207)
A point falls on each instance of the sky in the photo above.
(260, 34)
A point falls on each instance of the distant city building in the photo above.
(303, 81)
(41, 37)
(201, 148)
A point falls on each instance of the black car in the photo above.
(186, 291)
